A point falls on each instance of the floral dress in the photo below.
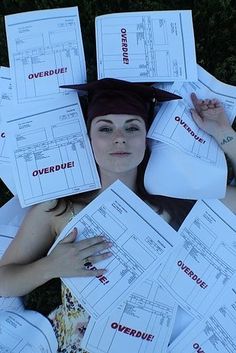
(69, 322)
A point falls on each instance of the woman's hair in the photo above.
(177, 208)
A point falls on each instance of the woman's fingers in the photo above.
(204, 104)
(96, 248)
(195, 101)
(85, 243)
(90, 269)
(70, 238)
(93, 273)
(196, 117)
(90, 260)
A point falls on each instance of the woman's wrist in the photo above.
(46, 269)
(225, 136)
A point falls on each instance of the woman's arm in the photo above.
(25, 265)
(210, 116)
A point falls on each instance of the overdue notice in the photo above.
(140, 239)
(204, 262)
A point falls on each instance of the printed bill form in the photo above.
(26, 331)
(50, 151)
(45, 51)
(174, 124)
(215, 333)
(5, 100)
(140, 239)
(143, 323)
(204, 262)
(146, 46)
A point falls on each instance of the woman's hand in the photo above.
(209, 115)
(71, 259)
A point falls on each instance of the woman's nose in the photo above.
(119, 137)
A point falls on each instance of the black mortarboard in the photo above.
(112, 96)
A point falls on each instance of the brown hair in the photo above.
(177, 208)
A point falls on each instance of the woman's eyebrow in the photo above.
(135, 119)
(110, 122)
(104, 121)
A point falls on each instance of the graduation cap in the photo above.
(113, 96)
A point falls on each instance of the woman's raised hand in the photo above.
(73, 259)
(209, 115)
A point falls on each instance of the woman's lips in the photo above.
(120, 154)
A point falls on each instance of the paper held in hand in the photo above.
(139, 244)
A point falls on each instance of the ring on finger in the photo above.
(87, 262)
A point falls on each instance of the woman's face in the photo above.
(118, 141)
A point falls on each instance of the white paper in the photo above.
(146, 46)
(5, 100)
(12, 213)
(174, 124)
(143, 323)
(140, 239)
(26, 332)
(201, 265)
(193, 178)
(45, 51)
(50, 151)
(214, 334)
(5, 86)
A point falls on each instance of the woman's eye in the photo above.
(132, 128)
(105, 129)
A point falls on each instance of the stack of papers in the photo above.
(161, 287)
(118, 214)
(49, 148)
(147, 47)
(152, 269)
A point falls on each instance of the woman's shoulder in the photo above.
(62, 212)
